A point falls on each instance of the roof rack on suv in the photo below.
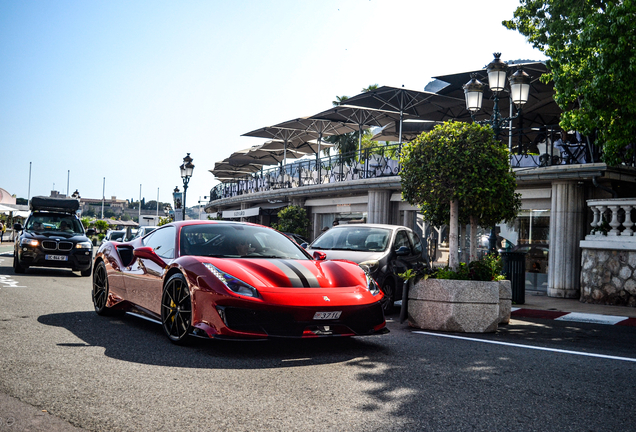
(64, 205)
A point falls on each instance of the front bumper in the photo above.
(75, 259)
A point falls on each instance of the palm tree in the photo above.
(339, 100)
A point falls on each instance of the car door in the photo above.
(144, 281)
(401, 262)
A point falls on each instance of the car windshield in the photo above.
(237, 241)
(364, 239)
(42, 222)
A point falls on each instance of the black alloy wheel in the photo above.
(388, 288)
(17, 268)
(176, 309)
(100, 289)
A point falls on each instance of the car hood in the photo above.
(289, 273)
(56, 236)
(355, 256)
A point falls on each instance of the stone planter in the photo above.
(459, 306)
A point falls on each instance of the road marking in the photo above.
(9, 282)
(592, 318)
(530, 347)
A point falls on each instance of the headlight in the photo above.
(234, 284)
(84, 245)
(372, 286)
(370, 266)
(29, 242)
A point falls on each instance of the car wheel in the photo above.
(100, 289)
(86, 272)
(388, 288)
(17, 268)
(176, 309)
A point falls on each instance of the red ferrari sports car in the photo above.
(235, 281)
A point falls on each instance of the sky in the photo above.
(109, 96)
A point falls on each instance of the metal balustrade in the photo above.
(530, 148)
(370, 163)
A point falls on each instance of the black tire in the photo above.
(100, 289)
(388, 288)
(17, 268)
(176, 309)
(86, 272)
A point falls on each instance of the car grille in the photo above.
(360, 321)
(65, 246)
(51, 245)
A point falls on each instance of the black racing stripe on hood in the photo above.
(307, 278)
(293, 275)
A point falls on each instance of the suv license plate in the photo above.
(327, 315)
(56, 257)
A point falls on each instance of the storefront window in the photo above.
(529, 234)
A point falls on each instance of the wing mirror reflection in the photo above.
(148, 253)
(320, 256)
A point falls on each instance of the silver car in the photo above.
(384, 250)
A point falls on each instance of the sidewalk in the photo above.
(539, 305)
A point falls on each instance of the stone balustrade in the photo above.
(612, 222)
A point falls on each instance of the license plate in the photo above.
(327, 315)
(56, 257)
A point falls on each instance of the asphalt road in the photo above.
(121, 374)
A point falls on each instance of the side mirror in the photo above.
(17, 227)
(90, 232)
(304, 245)
(148, 253)
(403, 251)
(320, 256)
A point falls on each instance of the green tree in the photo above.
(86, 222)
(164, 220)
(459, 172)
(101, 225)
(592, 60)
(292, 219)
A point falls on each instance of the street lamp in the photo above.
(497, 72)
(186, 173)
(474, 93)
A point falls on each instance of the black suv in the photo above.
(53, 236)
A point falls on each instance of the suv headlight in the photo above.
(84, 245)
(234, 284)
(29, 242)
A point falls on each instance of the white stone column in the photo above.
(409, 219)
(244, 206)
(378, 206)
(566, 230)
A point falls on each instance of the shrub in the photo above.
(488, 268)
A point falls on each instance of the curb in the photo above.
(573, 317)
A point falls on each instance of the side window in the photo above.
(162, 241)
(415, 241)
(401, 239)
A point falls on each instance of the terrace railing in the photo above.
(530, 148)
(370, 163)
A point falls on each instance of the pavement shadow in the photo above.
(130, 338)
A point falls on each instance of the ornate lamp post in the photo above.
(186, 172)
(474, 93)
(497, 73)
